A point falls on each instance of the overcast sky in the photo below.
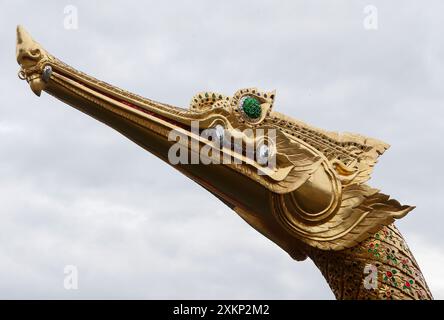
(75, 192)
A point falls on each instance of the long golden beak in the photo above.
(146, 122)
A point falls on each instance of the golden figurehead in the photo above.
(314, 201)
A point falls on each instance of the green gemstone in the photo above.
(252, 107)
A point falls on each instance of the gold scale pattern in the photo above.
(398, 275)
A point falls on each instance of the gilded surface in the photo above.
(397, 274)
(314, 202)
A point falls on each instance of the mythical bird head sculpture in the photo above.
(300, 186)
(315, 193)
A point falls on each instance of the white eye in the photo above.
(219, 130)
(46, 74)
(263, 154)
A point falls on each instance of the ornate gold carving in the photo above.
(315, 202)
(398, 274)
(32, 57)
(360, 212)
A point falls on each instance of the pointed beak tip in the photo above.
(23, 35)
(20, 31)
(36, 89)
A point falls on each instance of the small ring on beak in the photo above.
(21, 74)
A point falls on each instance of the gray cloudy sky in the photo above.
(74, 192)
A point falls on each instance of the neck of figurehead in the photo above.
(381, 267)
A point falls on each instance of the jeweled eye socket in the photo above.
(251, 107)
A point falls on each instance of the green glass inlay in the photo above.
(252, 107)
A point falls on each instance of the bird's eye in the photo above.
(251, 107)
